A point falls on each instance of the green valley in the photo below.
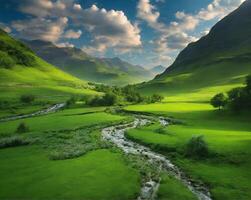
(74, 126)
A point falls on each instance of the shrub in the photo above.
(6, 61)
(156, 98)
(71, 101)
(27, 98)
(22, 128)
(219, 101)
(109, 99)
(12, 141)
(197, 147)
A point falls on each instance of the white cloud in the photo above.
(176, 35)
(42, 8)
(110, 29)
(40, 28)
(71, 34)
(6, 28)
(64, 44)
(147, 12)
(77, 6)
(218, 9)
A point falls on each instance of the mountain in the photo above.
(23, 72)
(158, 69)
(215, 63)
(111, 71)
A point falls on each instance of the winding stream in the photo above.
(116, 135)
(51, 109)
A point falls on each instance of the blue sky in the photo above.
(144, 32)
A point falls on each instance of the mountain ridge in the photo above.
(217, 62)
(113, 71)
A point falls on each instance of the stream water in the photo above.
(116, 135)
(51, 109)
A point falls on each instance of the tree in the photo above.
(235, 93)
(219, 101)
(156, 98)
(248, 85)
(109, 99)
(71, 101)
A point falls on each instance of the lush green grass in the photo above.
(20, 110)
(171, 188)
(27, 173)
(200, 82)
(63, 120)
(36, 77)
(228, 136)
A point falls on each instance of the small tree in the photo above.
(71, 101)
(109, 99)
(22, 128)
(219, 101)
(156, 98)
(27, 98)
(6, 61)
(197, 147)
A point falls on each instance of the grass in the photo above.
(94, 176)
(189, 86)
(71, 164)
(38, 78)
(172, 189)
(228, 136)
(68, 119)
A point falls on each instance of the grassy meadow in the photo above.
(65, 164)
(228, 136)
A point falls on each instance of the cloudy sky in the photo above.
(145, 32)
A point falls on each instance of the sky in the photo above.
(143, 32)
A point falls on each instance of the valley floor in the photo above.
(227, 171)
(62, 156)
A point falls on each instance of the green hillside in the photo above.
(23, 73)
(217, 62)
(112, 71)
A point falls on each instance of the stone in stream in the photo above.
(116, 134)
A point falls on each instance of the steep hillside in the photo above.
(215, 63)
(22, 72)
(76, 62)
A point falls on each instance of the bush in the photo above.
(12, 141)
(4, 104)
(197, 147)
(71, 101)
(27, 98)
(6, 61)
(22, 128)
(109, 99)
(156, 98)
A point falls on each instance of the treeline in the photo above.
(237, 99)
(114, 95)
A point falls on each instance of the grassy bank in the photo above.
(228, 136)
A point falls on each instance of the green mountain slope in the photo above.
(22, 72)
(111, 71)
(215, 63)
